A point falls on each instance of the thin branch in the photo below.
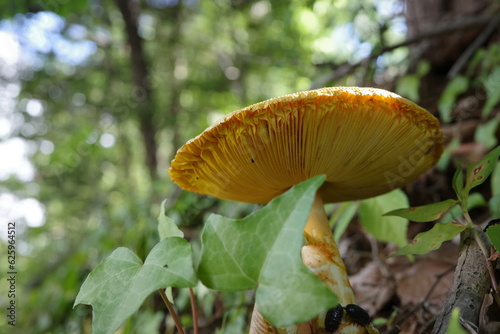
(193, 310)
(483, 36)
(171, 311)
(461, 24)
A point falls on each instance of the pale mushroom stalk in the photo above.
(321, 254)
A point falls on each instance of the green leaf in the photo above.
(342, 217)
(475, 200)
(119, 284)
(423, 68)
(492, 87)
(478, 172)
(458, 183)
(447, 100)
(408, 86)
(444, 161)
(454, 326)
(486, 133)
(384, 228)
(494, 205)
(425, 213)
(263, 251)
(495, 180)
(430, 240)
(493, 233)
(166, 225)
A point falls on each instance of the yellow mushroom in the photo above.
(366, 141)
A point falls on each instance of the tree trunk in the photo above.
(141, 91)
(470, 284)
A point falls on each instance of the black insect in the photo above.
(357, 314)
(333, 318)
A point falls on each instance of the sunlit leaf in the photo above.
(119, 285)
(425, 213)
(385, 228)
(430, 240)
(166, 226)
(454, 326)
(263, 252)
(478, 172)
(493, 233)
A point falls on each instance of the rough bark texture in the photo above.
(443, 50)
(470, 284)
(141, 92)
(425, 15)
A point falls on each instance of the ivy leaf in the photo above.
(454, 326)
(117, 287)
(263, 251)
(166, 225)
(430, 240)
(424, 213)
(493, 233)
(478, 172)
(384, 228)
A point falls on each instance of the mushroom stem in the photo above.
(321, 255)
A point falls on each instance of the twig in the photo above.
(172, 311)
(483, 36)
(346, 68)
(193, 310)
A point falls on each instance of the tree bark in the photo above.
(470, 284)
(141, 91)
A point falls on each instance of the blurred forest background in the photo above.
(96, 96)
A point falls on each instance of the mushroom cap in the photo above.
(366, 141)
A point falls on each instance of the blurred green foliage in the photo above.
(204, 59)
